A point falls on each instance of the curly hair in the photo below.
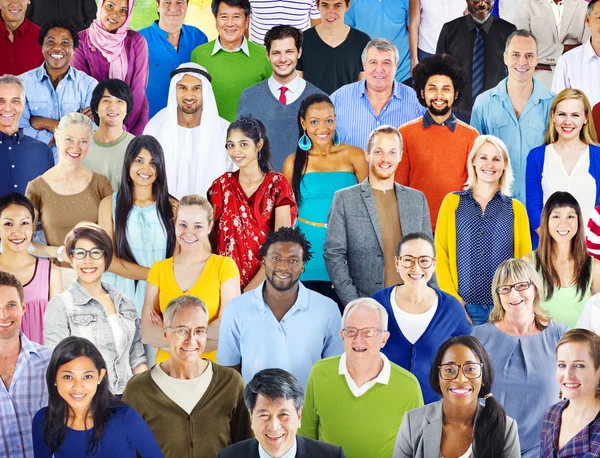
(287, 234)
(439, 64)
(55, 24)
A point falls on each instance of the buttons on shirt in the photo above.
(15, 186)
(13, 166)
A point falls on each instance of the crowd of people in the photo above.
(365, 229)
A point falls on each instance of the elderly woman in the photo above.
(520, 339)
(459, 425)
(193, 406)
(95, 310)
(480, 227)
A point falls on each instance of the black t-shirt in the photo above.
(330, 68)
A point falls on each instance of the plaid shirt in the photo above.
(585, 444)
(26, 395)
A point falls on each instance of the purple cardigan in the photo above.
(89, 60)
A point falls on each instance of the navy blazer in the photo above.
(306, 448)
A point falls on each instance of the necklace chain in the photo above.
(456, 437)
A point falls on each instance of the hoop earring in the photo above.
(336, 138)
(304, 143)
(0, 246)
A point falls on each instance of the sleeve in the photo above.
(105, 189)
(512, 446)
(522, 231)
(240, 423)
(441, 47)
(91, 85)
(228, 349)
(333, 345)
(310, 419)
(228, 269)
(314, 11)
(403, 171)
(442, 269)
(548, 426)
(89, 11)
(533, 189)
(139, 59)
(56, 326)
(137, 354)
(403, 448)
(140, 435)
(478, 117)
(349, 17)
(560, 79)
(40, 449)
(284, 194)
(154, 274)
(33, 194)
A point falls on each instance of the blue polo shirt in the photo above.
(250, 334)
(163, 58)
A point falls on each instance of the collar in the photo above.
(41, 73)
(21, 30)
(291, 453)
(163, 33)
(539, 91)
(292, 85)
(396, 89)
(429, 121)
(486, 26)
(18, 135)
(82, 297)
(27, 348)
(383, 377)
(588, 51)
(300, 304)
(469, 193)
(243, 47)
(559, 3)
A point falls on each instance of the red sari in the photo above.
(242, 223)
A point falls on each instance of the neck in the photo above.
(381, 184)
(14, 258)
(281, 300)
(69, 170)
(520, 323)
(81, 415)
(331, 28)
(413, 293)
(286, 79)
(231, 45)
(364, 370)
(568, 144)
(461, 416)
(56, 76)
(183, 370)
(108, 134)
(584, 406)
(189, 120)
(171, 29)
(95, 288)
(595, 45)
(380, 94)
(10, 130)
(12, 26)
(250, 173)
(12, 346)
(440, 119)
(321, 150)
(193, 256)
(142, 194)
(562, 251)
(519, 88)
(485, 190)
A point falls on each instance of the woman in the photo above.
(575, 420)
(139, 219)
(40, 279)
(249, 203)
(420, 318)
(68, 193)
(480, 227)
(459, 425)
(96, 310)
(196, 271)
(321, 166)
(110, 49)
(569, 160)
(83, 418)
(520, 339)
(568, 272)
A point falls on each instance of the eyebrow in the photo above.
(71, 372)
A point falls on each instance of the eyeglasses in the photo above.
(184, 333)
(425, 262)
(521, 286)
(366, 333)
(450, 371)
(80, 253)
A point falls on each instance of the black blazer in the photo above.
(306, 448)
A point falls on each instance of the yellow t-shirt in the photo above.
(218, 269)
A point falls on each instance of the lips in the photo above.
(359, 349)
(6, 324)
(416, 277)
(188, 350)
(17, 241)
(78, 397)
(282, 276)
(188, 241)
(89, 270)
(563, 233)
(10, 115)
(274, 438)
(143, 176)
(74, 155)
(460, 392)
(238, 159)
(571, 385)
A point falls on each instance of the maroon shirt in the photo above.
(22, 54)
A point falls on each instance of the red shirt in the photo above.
(22, 54)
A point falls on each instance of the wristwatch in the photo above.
(59, 252)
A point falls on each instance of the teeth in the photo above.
(89, 270)
(5, 325)
(563, 232)
(56, 56)
(460, 391)
(359, 349)
(8, 115)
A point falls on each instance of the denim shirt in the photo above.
(75, 313)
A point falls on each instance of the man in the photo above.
(274, 398)
(477, 41)
(191, 133)
(579, 68)
(277, 100)
(280, 323)
(378, 100)
(22, 371)
(517, 109)
(22, 158)
(267, 14)
(170, 44)
(436, 145)
(234, 62)
(111, 104)
(366, 222)
(80, 13)
(358, 400)
(19, 48)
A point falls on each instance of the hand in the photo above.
(52, 142)
(37, 122)
(463, 303)
(87, 112)
(156, 318)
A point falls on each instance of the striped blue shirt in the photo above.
(355, 118)
(26, 395)
(266, 14)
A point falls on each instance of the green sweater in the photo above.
(367, 426)
(232, 72)
(219, 419)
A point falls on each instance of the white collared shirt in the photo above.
(579, 69)
(295, 88)
(383, 377)
(434, 14)
(558, 11)
(243, 47)
(291, 453)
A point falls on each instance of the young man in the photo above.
(19, 48)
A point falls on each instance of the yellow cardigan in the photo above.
(445, 241)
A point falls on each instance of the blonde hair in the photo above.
(587, 134)
(506, 180)
(381, 130)
(193, 200)
(71, 119)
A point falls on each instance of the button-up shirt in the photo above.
(26, 395)
(493, 114)
(22, 159)
(557, 9)
(579, 69)
(295, 88)
(383, 377)
(23, 53)
(266, 14)
(355, 118)
(291, 453)
(244, 47)
(429, 121)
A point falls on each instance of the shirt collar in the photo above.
(300, 304)
(21, 30)
(292, 86)
(486, 26)
(383, 377)
(27, 348)
(498, 195)
(41, 73)
(18, 135)
(291, 453)
(429, 121)
(539, 91)
(243, 47)
(396, 89)
(588, 51)
(82, 297)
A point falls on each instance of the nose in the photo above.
(273, 423)
(461, 375)
(513, 293)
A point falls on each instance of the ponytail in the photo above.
(489, 430)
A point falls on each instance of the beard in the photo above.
(279, 285)
(439, 111)
(195, 109)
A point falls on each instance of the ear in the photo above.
(260, 144)
(300, 52)
(422, 94)
(102, 374)
(24, 306)
(303, 123)
(386, 336)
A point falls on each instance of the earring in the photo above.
(30, 248)
(336, 138)
(304, 143)
(598, 391)
(560, 396)
(0, 246)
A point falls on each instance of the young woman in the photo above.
(195, 270)
(83, 418)
(40, 279)
(569, 273)
(251, 202)
(321, 166)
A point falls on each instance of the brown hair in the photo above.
(87, 230)
(583, 336)
(10, 280)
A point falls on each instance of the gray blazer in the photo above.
(420, 434)
(354, 247)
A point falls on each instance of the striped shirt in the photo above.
(266, 14)
(26, 395)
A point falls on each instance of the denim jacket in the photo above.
(75, 313)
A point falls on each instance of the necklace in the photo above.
(456, 437)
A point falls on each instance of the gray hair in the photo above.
(71, 119)
(521, 33)
(182, 302)
(12, 79)
(366, 302)
(383, 45)
(274, 384)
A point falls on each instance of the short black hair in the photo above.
(15, 198)
(273, 384)
(279, 32)
(116, 88)
(55, 24)
(590, 6)
(287, 234)
(243, 4)
(438, 64)
(10, 280)
(414, 236)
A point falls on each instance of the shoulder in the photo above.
(138, 385)
(228, 377)
(315, 446)
(484, 331)
(457, 23)
(502, 25)
(359, 34)
(343, 93)
(383, 296)
(257, 51)
(518, 207)
(31, 145)
(431, 411)
(468, 128)
(203, 49)
(256, 89)
(555, 331)
(449, 301)
(312, 89)
(134, 36)
(38, 418)
(537, 151)
(411, 126)
(239, 449)
(322, 304)
(400, 377)
(325, 367)
(349, 192)
(411, 193)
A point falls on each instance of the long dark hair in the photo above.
(159, 191)
(301, 158)
(58, 412)
(489, 429)
(256, 131)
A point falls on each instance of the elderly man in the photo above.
(22, 158)
(23, 364)
(358, 400)
(19, 48)
(366, 222)
(194, 407)
(378, 100)
(274, 398)
(191, 132)
(80, 13)
(281, 323)
(170, 44)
